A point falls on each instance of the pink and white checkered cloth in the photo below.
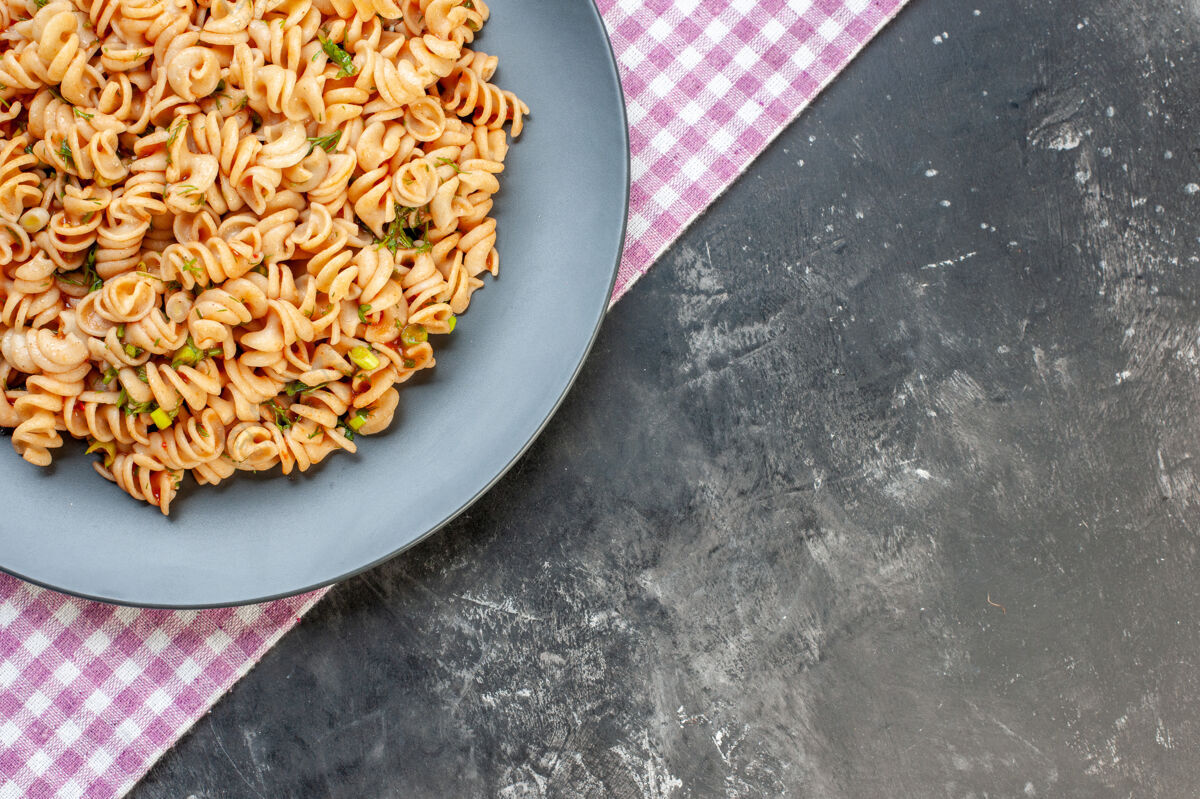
(91, 695)
(708, 84)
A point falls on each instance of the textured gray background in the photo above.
(939, 345)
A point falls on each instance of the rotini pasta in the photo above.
(228, 229)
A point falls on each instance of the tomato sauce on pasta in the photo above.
(228, 230)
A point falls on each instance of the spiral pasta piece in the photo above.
(144, 477)
(466, 93)
(190, 442)
(19, 186)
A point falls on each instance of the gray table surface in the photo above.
(879, 484)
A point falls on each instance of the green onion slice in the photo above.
(161, 419)
(413, 334)
(364, 359)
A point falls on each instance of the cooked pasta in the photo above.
(228, 228)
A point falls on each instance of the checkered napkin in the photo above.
(708, 84)
(91, 694)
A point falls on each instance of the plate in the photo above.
(499, 377)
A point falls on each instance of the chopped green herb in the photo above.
(175, 131)
(88, 216)
(283, 419)
(120, 331)
(326, 143)
(107, 447)
(110, 374)
(134, 408)
(160, 418)
(356, 421)
(220, 85)
(89, 278)
(397, 237)
(413, 334)
(190, 355)
(40, 3)
(89, 268)
(132, 351)
(338, 56)
(141, 374)
(301, 388)
(363, 310)
(364, 359)
(315, 433)
(204, 432)
(189, 265)
(409, 363)
(447, 162)
(64, 152)
(81, 114)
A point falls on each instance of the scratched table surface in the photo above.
(880, 484)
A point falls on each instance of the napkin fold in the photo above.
(91, 694)
(708, 85)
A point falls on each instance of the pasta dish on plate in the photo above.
(228, 229)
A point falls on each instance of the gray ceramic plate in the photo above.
(500, 376)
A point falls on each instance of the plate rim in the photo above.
(626, 166)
